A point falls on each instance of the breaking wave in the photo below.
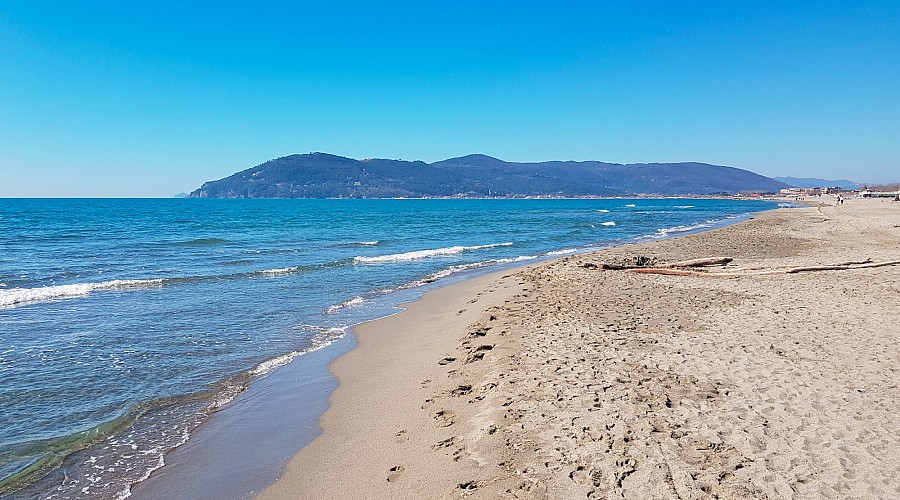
(443, 273)
(423, 254)
(279, 271)
(681, 229)
(355, 301)
(565, 251)
(15, 297)
(324, 338)
(18, 296)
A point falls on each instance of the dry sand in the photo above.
(561, 381)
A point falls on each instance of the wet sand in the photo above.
(266, 419)
(562, 380)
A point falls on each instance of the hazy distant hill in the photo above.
(811, 182)
(321, 175)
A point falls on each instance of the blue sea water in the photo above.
(125, 323)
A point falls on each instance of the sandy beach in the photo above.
(565, 380)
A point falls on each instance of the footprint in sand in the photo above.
(394, 473)
(477, 353)
(462, 390)
(468, 487)
(445, 418)
(446, 443)
(480, 331)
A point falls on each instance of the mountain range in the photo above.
(322, 175)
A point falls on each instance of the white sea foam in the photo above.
(368, 243)
(269, 365)
(631, 205)
(609, 223)
(18, 296)
(280, 271)
(516, 259)
(563, 252)
(683, 206)
(160, 463)
(224, 397)
(603, 211)
(423, 254)
(324, 338)
(355, 301)
(680, 229)
(443, 273)
(431, 278)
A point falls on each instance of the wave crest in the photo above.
(355, 301)
(19, 296)
(681, 229)
(565, 251)
(324, 336)
(283, 270)
(423, 254)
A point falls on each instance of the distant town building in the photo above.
(867, 193)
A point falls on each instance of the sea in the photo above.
(126, 323)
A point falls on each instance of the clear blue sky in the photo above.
(128, 98)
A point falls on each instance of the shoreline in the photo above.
(209, 442)
(266, 413)
(438, 427)
(264, 417)
(512, 263)
(388, 368)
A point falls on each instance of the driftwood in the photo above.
(780, 269)
(675, 268)
(707, 261)
(853, 262)
(678, 272)
(867, 264)
(841, 267)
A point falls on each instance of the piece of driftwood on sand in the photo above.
(667, 269)
(706, 261)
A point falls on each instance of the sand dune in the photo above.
(562, 380)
